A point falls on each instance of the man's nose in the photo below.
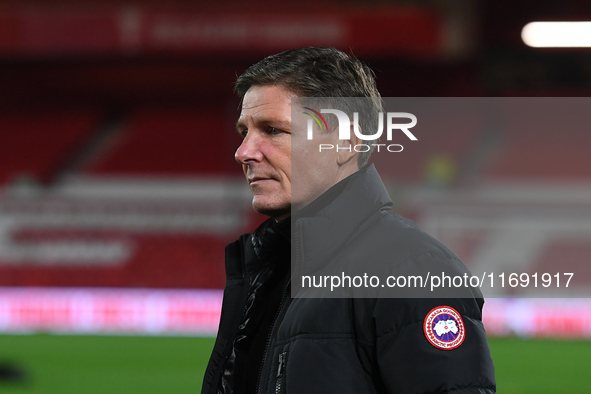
(249, 150)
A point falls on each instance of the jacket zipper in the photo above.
(280, 369)
(280, 312)
(270, 338)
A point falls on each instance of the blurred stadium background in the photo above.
(118, 188)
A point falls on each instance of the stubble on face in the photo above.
(265, 152)
(269, 134)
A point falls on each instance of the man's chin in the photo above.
(275, 211)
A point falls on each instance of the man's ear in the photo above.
(346, 153)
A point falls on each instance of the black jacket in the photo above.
(344, 345)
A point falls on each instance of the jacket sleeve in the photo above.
(409, 361)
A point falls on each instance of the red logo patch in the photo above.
(444, 328)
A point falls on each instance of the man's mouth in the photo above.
(258, 179)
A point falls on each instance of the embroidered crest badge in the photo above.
(444, 328)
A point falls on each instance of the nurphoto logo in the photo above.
(345, 129)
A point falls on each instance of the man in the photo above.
(271, 342)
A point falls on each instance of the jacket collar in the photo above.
(320, 236)
(269, 241)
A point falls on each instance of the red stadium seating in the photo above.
(438, 134)
(538, 147)
(173, 142)
(571, 256)
(36, 143)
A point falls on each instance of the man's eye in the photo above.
(275, 131)
(243, 133)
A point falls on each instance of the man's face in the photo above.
(270, 138)
(265, 152)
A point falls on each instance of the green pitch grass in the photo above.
(145, 365)
(103, 364)
(541, 365)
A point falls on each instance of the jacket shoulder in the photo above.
(401, 239)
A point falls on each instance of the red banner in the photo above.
(64, 31)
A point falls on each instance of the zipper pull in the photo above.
(282, 357)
